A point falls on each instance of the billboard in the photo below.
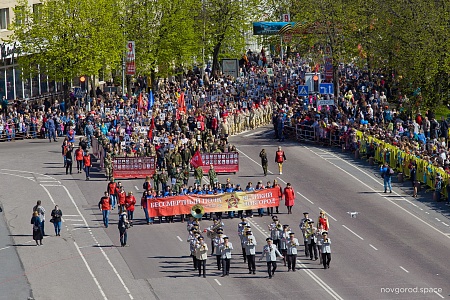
(272, 28)
(230, 67)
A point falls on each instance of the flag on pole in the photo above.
(151, 100)
(182, 103)
(196, 160)
(140, 102)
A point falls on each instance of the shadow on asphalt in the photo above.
(20, 235)
(169, 257)
(23, 245)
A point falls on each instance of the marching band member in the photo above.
(192, 240)
(292, 251)
(270, 251)
(241, 227)
(323, 219)
(250, 251)
(303, 226)
(284, 237)
(201, 253)
(326, 250)
(275, 231)
(217, 242)
(225, 252)
(211, 232)
(319, 241)
(312, 240)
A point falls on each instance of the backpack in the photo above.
(391, 171)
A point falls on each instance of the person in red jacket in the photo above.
(121, 196)
(280, 157)
(279, 194)
(147, 186)
(130, 202)
(87, 164)
(289, 197)
(105, 206)
(79, 158)
(112, 191)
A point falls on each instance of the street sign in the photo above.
(326, 88)
(325, 102)
(77, 93)
(310, 82)
(303, 90)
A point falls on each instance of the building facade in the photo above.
(12, 84)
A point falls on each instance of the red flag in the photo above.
(150, 134)
(182, 103)
(140, 102)
(152, 124)
(196, 160)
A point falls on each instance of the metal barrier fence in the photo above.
(309, 134)
(378, 151)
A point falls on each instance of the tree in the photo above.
(68, 38)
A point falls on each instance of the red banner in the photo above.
(177, 205)
(133, 167)
(226, 162)
(196, 160)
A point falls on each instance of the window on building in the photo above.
(19, 15)
(37, 11)
(4, 18)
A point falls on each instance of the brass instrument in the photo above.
(197, 211)
(279, 227)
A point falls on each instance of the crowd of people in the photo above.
(282, 243)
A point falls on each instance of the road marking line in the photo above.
(437, 219)
(439, 295)
(50, 181)
(313, 276)
(282, 180)
(371, 188)
(48, 193)
(352, 232)
(47, 176)
(427, 213)
(101, 249)
(328, 214)
(301, 195)
(404, 269)
(137, 189)
(373, 247)
(90, 271)
(71, 215)
(179, 238)
(4, 248)
(217, 282)
(51, 185)
(252, 160)
(445, 224)
(253, 133)
(29, 178)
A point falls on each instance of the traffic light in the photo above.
(83, 83)
(316, 83)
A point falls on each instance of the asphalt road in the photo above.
(394, 243)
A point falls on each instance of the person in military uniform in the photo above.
(225, 249)
(212, 175)
(186, 156)
(270, 252)
(179, 177)
(292, 244)
(177, 159)
(156, 181)
(216, 243)
(163, 179)
(249, 242)
(108, 166)
(198, 174)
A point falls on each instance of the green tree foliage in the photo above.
(165, 35)
(69, 38)
(226, 22)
